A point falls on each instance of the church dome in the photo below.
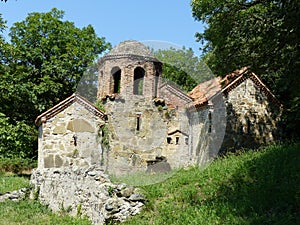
(131, 49)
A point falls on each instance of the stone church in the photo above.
(153, 126)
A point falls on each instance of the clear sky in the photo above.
(119, 20)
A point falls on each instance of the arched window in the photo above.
(138, 84)
(116, 79)
(156, 80)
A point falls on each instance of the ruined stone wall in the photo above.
(85, 191)
(70, 138)
(252, 120)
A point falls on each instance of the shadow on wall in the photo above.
(249, 130)
(268, 193)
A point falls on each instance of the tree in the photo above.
(49, 58)
(262, 34)
(42, 66)
(88, 84)
(183, 67)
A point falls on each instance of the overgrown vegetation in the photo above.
(247, 187)
(32, 212)
(16, 165)
(253, 187)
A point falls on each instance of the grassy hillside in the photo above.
(253, 187)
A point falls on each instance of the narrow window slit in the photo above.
(138, 123)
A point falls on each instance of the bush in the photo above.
(17, 139)
(16, 165)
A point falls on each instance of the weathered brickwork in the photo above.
(125, 66)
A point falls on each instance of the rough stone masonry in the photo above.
(85, 191)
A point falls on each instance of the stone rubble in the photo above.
(16, 196)
(86, 192)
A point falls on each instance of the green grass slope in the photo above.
(253, 187)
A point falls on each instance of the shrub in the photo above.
(16, 165)
(17, 139)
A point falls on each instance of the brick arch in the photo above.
(116, 79)
(138, 80)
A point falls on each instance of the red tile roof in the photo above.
(203, 92)
(66, 103)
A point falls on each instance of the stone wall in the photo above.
(252, 119)
(85, 191)
(70, 138)
(138, 135)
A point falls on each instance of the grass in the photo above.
(10, 182)
(251, 187)
(28, 211)
(33, 213)
(142, 178)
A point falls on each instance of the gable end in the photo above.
(65, 104)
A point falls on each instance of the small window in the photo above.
(177, 140)
(169, 140)
(186, 140)
(138, 123)
(248, 126)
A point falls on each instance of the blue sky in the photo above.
(119, 20)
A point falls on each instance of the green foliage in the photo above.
(50, 57)
(17, 139)
(264, 35)
(41, 66)
(105, 137)
(183, 67)
(100, 105)
(88, 84)
(159, 108)
(16, 165)
(79, 210)
(251, 187)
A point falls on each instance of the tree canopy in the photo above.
(42, 65)
(182, 67)
(262, 34)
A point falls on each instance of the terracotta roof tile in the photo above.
(203, 92)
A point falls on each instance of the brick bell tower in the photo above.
(129, 71)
